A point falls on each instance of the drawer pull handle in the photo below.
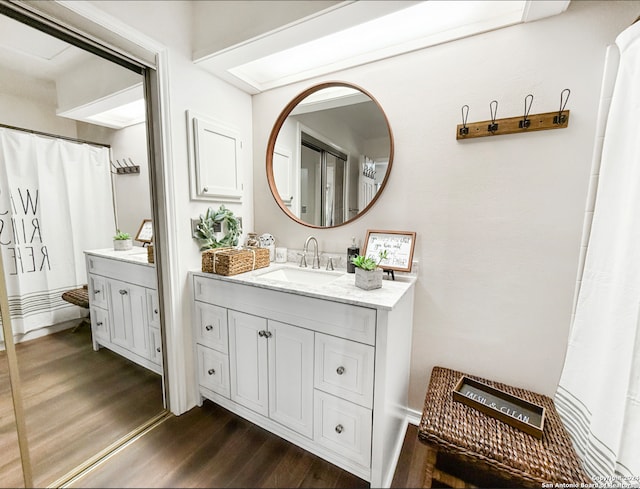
(340, 370)
(96, 291)
(123, 292)
(211, 371)
(208, 327)
(158, 349)
(339, 429)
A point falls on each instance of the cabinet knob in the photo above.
(208, 327)
(158, 349)
(339, 429)
(205, 189)
(268, 334)
(211, 371)
(99, 323)
(340, 370)
(123, 292)
(262, 333)
(155, 311)
(96, 291)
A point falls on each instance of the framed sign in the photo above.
(145, 233)
(501, 405)
(398, 244)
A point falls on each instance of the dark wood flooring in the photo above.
(77, 402)
(212, 447)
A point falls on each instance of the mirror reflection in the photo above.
(329, 155)
(90, 371)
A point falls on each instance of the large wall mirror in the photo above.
(329, 155)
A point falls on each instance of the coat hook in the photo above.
(464, 130)
(524, 123)
(493, 127)
(560, 118)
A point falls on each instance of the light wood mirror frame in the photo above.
(271, 149)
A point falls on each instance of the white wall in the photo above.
(132, 194)
(498, 219)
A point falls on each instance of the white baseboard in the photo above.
(414, 416)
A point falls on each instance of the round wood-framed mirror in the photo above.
(329, 155)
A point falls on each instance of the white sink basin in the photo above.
(301, 276)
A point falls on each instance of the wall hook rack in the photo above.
(524, 123)
(126, 168)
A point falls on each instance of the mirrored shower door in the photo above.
(78, 403)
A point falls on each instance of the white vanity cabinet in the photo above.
(123, 303)
(328, 373)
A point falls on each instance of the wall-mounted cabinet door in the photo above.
(291, 377)
(129, 323)
(248, 361)
(215, 159)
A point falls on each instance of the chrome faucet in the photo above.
(316, 256)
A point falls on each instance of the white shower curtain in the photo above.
(599, 393)
(55, 202)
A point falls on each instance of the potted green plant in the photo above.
(368, 273)
(122, 241)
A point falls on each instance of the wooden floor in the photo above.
(211, 447)
(77, 402)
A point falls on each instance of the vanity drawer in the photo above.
(126, 271)
(99, 324)
(97, 291)
(213, 370)
(344, 368)
(211, 326)
(343, 427)
(155, 346)
(325, 316)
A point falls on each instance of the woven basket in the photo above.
(231, 261)
(150, 254)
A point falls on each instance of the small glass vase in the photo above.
(369, 279)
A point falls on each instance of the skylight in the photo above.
(274, 59)
(118, 110)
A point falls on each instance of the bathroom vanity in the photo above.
(308, 356)
(123, 303)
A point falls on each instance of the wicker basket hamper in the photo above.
(231, 261)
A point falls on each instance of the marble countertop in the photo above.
(342, 289)
(137, 254)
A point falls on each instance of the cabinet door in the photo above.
(248, 361)
(129, 323)
(291, 376)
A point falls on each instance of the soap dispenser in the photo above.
(352, 252)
